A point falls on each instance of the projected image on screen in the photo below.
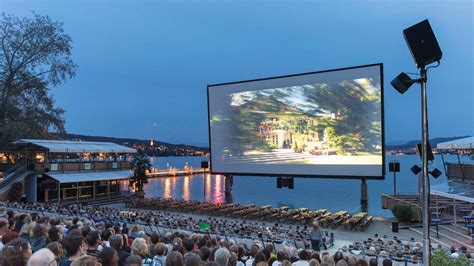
(316, 124)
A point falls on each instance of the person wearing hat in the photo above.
(316, 236)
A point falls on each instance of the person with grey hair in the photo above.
(116, 242)
(42, 257)
(141, 234)
(222, 256)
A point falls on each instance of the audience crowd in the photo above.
(88, 236)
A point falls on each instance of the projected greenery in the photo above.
(323, 119)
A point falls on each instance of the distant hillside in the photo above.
(158, 148)
(412, 144)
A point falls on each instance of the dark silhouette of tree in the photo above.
(35, 55)
(140, 164)
(14, 193)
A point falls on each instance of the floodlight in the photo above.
(415, 169)
(436, 173)
(402, 82)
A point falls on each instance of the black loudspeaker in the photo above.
(422, 43)
(394, 227)
(430, 152)
(279, 182)
(204, 165)
(394, 167)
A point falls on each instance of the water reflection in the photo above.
(167, 188)
(330, 194)
(207, 188)
(217, 195)
(186, 188)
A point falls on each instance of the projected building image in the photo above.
(333, 122)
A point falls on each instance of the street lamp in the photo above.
(425, 50)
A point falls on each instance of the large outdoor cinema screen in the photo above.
(321, 124)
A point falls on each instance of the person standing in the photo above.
(316, 237)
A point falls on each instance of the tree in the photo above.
(140, 164)
(440, 258)
(35, 55)
(14, 193)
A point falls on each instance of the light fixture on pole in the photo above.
(394, 167)
(425, 50)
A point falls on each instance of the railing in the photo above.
(82, 166)
(463, 171)
(389, 201)
(13, 174)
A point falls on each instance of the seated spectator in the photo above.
(108, 257)
(140, 248)
(154, 239)
(133, 261)
(327, 260)
(3, 230)
(160, 258)
(26, 231)
(75, 248)
(9, 236)
(338, 256)
(86, 261)
(188, 248)
(15, 252)
(93, 244)
(39, 238)
(57, 249)
(174, 258)
(222, 257)
(281, 256)
(253, 252)
(54, 234)
(304, 259)
(106, 234)
(116, 242)
(42, 257)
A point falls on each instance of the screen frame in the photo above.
(378, 177)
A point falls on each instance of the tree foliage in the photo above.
(14, 193)
(440, 258)
(35, 55)
(140, 164)
(403, 214)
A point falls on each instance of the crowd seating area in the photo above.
(284, 214)
(55, 234)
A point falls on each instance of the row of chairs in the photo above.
(282, 214)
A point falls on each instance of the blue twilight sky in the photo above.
(144, 65)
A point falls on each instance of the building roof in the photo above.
(459, 144)
(68, 146)
(90, 176)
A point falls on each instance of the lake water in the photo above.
(311, 193)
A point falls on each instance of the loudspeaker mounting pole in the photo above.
(424, 175)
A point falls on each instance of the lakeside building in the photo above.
(65, 171)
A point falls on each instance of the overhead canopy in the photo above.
(67, 146)
(459, 144)
(91, 176)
